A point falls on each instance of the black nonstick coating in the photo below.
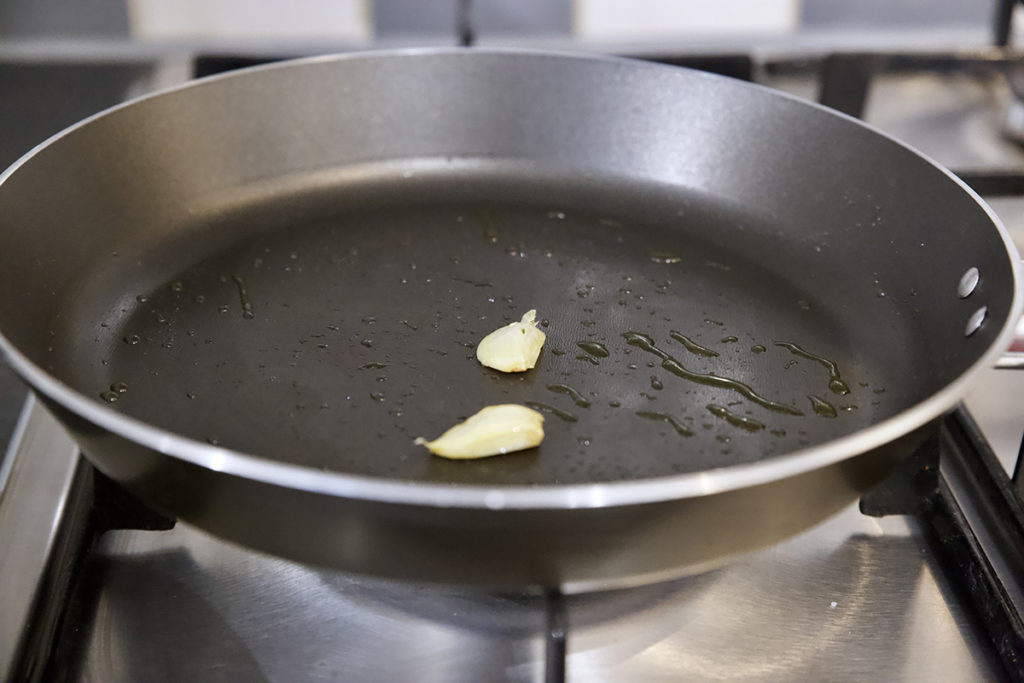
(332, 337)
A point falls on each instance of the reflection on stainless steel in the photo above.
(854, 599)
(34, 481)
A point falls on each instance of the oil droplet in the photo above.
(665, 257)
(545, 322)
(199, 299)
(656, 383)
(735, 420)
(109, 396)
(614, 404)
(190, 395)
(835, 384)
(804, 304)
(132, 339)
(729, 340)
(119, 387)
(850, 408)
(557, 352)
(576, 396)
(176, 286)
(588, 323)
(378, 396)
(778, 432)
(757, 348)
(723, 438)
(791, 363)
(590, 360)
(680, 428)
(838, 386)
(880, 390)
(212, 440)
(583, 440)
(545, 408)
(595, 349)
(822, 407)
(692, 346)
(669, 363)
(223, 309)
(368, 343)
(142, 298)
(709, 321)
(373, 366)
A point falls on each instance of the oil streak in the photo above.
(545, 408)
(681, 429)
(692, 346)
(822, 407)
(243, 296)
(676, 368)
(735, 420)
(576, 396)
(835, 383)
(491, 231)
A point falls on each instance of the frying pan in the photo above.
(246, 296)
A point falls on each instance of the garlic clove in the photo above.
(494, 430)
(514, 347)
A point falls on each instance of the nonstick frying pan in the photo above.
(246, 296)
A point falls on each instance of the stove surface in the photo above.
(856, 598)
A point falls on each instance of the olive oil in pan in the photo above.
(822, 407)
(741, 421)
(557, 412)
(595, 349)
(243, 296)
(576, 396)
(680, 428)
(692, 346)
(668, 362)
(835, 383)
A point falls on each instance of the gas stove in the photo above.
(923, 579)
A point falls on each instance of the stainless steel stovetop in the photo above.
(856, 598)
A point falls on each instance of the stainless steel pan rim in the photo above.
(519, 497)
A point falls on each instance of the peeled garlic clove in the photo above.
(514, 347)
(495, 429)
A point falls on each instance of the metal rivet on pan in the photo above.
(968, 282)
(975, 321)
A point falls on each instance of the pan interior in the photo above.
(331, 325)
